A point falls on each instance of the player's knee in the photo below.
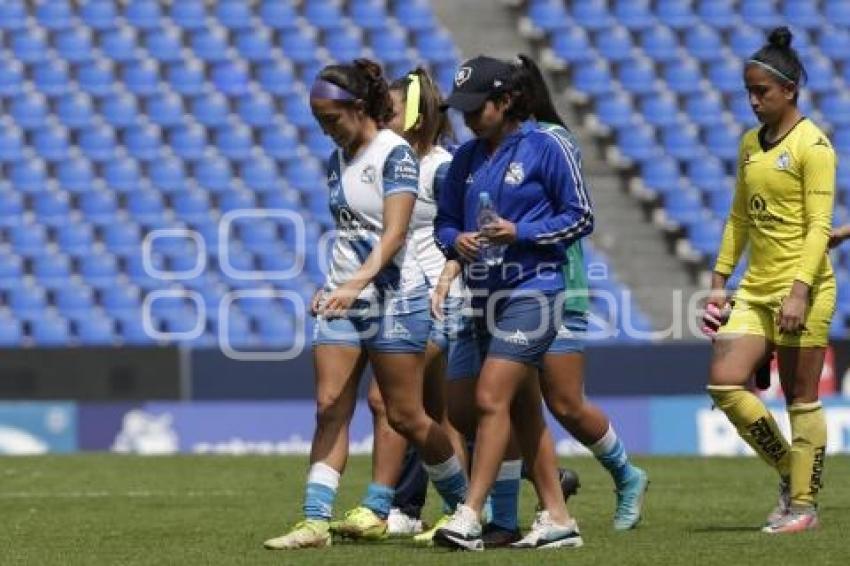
(490, 402)
(566, 409)
(376, 402)
(331, 408)
(404, 420)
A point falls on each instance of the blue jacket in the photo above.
(535, 182)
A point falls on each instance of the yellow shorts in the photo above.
(759, 319)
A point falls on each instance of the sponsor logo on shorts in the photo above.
(398, 331)
(565, 332)
(517, 338)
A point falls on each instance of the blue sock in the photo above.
(449, 480)
(611, 453)
(320, 493)
(379, 498)
(505, 495)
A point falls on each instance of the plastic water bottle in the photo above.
(490, 254)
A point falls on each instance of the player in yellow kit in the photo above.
(783, 210)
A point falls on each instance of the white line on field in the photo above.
(103, 494)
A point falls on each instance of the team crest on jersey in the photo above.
(462, 75)
(515, 173)
(368, 175)
(783, 161)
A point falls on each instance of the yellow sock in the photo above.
(808, 450)
(755, 424)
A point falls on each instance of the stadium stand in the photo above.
(120, 118)
(661, 82)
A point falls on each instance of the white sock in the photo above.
(323, 474)
(447, 469)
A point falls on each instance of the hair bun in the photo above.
(780, 37)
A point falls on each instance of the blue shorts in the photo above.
(571, 333)
(455, 337)
(379, 329)
(522, 328)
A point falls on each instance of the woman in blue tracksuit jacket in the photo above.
(543, 206)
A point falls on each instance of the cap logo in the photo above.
(463, 74)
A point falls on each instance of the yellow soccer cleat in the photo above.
(427, 538)
(309, 533)
(360, 523)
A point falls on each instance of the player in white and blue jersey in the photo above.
(373, 307)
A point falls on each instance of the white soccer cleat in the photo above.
(796, 520)
(546, 534)
(462, 531)
(401, 525)
(783, 506)
(309, 533)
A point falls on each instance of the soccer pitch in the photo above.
(107, 509)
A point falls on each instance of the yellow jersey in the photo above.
(783, 209)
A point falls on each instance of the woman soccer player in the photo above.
(374, 305)
(562, 378)
(783, 209)
(526, 174)
(416, 116)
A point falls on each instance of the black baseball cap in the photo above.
(476, 80)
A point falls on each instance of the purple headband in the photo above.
(326, 90)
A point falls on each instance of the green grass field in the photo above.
(105, 509)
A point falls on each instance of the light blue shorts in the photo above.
(378, 328)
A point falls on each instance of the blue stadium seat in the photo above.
(821, 76)
(660, 44)
(637, 76)
(705, 109)
(260, 174)
(122, 174)
(213, 173)
(188, 141)
(719, 14)
(255, 45)
(145, 204)
(661, 174)
(232, 79)
(298, 46)
(834, 42)
(739, 105)
(323, 14)
(637, 142)
(234, 141)
(141, 77)
(837, 12)
(720, 200)
(276, 332)
(841, 140)
(98, 206)
(234, 14)
(13, 15)
(436, 46)
(30, 46)
(836, 107)
(391, 45)
(256, 109)
(75, 237)
(98, 268)
(99, 14)
(11, 207)
(615, 43)
(368, 14)
(279, 141)
(592, 14)
(72, 298)
(74, 45)
(705, 236)
(548, 15)
(95, 330)
(52, 270)
(211, 44)
(191, 206)
(305, 176)
(51, 77)
(54, 15)
(27, 301)
(233, 200)
(677, 14)
(130, 327)
(165, 109)
(635, 15)
(660, 109)
(683, 77)
(169, 175)
(760, 13)
(120, 300)
(278, 15)
(727, 75)
(75, 110)
(189, 14)
(96, 78)
(51, 207)
(164, 45)
(29, 110)
(593, 78)
(28, 175)
(11, 145)
(144, 14)
(281, 200)
(210, 109)
(120, 109)
(415, 15)
(50, 330)
(186, 77)
(120, 44)
(10, 329)
(345, 45)
(143, 141)
(573, 46)
(681, 141)
(744, 41)
(319, 144)
(276, 77)
(722, 142)
(683, 206)
(11, 77)
(75, 175)
(707, 173)
(704, 43)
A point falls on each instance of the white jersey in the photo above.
(358, 188)
(432, 171)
